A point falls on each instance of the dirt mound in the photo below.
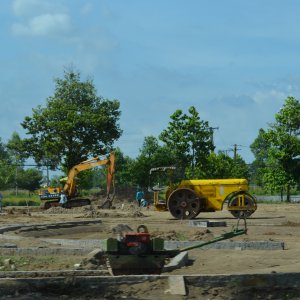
(56, 210)
(136, 214)
(75, 210)
(202, 235)
(170, 235)
(120, 228)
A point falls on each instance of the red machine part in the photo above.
(133, 239)
(137, 242)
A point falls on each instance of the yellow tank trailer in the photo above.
(190, 197)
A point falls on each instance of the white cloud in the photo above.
(267, 97)
(44, 25)
(36, 7)
(87, 8)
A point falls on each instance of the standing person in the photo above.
(139, 196)
(63, 198)
(1, 197)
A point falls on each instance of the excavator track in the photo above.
(77, 203)
(70, 204)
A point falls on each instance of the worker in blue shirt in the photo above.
(139, 196)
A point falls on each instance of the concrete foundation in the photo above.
(246, 286)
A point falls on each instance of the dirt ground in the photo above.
(271, 222)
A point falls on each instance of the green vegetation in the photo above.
(277, 151)
(23, 198)
(39, 262)
(76, 124)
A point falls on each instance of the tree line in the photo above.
(76, 124)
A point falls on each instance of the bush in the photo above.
(23, 198)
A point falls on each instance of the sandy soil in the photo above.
(271, 222)
(274, 222)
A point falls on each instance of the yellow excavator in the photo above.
(51, 195)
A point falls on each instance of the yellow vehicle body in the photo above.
(190, 197)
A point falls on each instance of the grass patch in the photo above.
(181, 237)
(22, 198)
(39, 262)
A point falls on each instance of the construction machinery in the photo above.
(51, 195)
(139, 253)
(188, 198)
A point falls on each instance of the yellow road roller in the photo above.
(191, 197)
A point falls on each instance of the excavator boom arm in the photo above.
(70, 185)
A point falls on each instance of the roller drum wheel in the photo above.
(249, 202)
(183, 203)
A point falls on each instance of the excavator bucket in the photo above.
(110, 186)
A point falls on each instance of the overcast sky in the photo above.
(235, 61)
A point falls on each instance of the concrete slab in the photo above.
(177, 285)
(207, 223)
(45, 251)
(176, 262)
(242, 245)
(8, 245)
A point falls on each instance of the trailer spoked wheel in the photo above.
(184, 204)
(249, 208)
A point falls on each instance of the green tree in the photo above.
(4, 156)
(7, 173)
(276, 180)
(15, 147)
(284, 147)
(74, 125)
(222, 166)
(152, 155)
(29, 179)
(124, 165)
(259, 148)
(190, 139)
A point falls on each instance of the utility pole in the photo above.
(235, 149)
(211, 131)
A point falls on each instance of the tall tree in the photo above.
(7, 173)
(29, 179)
(75, 124)
(284, 146)
(123, 175)
(152, 154)
(189, 137)
(4, 156)
(221, 166)
(259, 148)
(15, 149)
